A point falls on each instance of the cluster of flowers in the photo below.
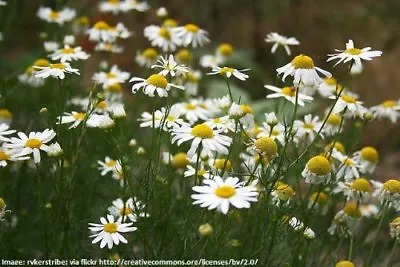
(214, 126)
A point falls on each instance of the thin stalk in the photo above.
(377, 234)
(392, 253)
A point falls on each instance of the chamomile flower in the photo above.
(54, 150)
(220, 194)
(228, 72)
(129, 5)
(265, 146)
(282, 194)
(369, 210)
(195, 110)
(80, 25)
(31, 144)
(350, 105)
(109, 47)
(112, 6)
(109, 231)
(317, 170)
(390, 191)
(224, 51)
(69, 40)
(162, 37)
(69, 54)
(367, 158)
(210, 140)
(243, 114)
(60, 17)
(359, 189)
(155, 83)
(102, 121)
(113, 76)
(3, 3)
(5, 130)
(289, 93)
(106, 166)
(191, 34)
(353, 54)
(328, 87)
(191, 82)
(179, 160)
(5, 116)
(76, 118)
(395, 228)
(129, 209)
(280, 40)
(103, 32)
(3, 207)
(387, 109)
(276, 132)
(303, 71)
(224, 123)
(56, 70)
(201, 171)
(344, 263)
(307, 130)
(170, 118)
(170, 67)
(332, 124)
(210, 61)
(348, 168)
(147, 57)
(7, 154)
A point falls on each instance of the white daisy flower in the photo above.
(31, 144)
(276, 132)
(224, 51)
(224, 123)
(280, 40)
(128, 210)
(114, 76)
(367, 158)
(210, 61)
(7, 154)
(353, 54)
(307, 130)
(228, 72)
(220, 194)
(349, 103)
(129, 5)
(155, 83)
(348, 168)
(289, 93)
(76, 118)
(191, 82)
(162, 12)
(3, 210)
(387, 109)
(282, 194)
(171, 119)
(4, 130)
(191, 34)
(201, 171)
(303, 71)
(195, 110)
(103, 32)
(210, 140)
(369, 210)
(359, 189)
(56, 70)
(112, 6)
(317, 170)
(332, 124)
(162, 37)
(54, 150)
(102, 121)
(60, 17)
(69, 54)
(395, 228)
(109, 231)
(106, 166)
(147, 57)
(51, 46)
(109, 47)
(328, 87)
(5, 116)
(169, 66)
(390, 191)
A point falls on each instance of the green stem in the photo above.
(392, 253)
(377, 234)
(229, 90)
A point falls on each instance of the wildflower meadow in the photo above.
(152, 147)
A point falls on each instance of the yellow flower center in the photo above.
(101, 25)
(125, 211)
(395, 222)
(29, 70)
(179, 161)
(389, 104)
(111, 75)
(4, 156)
(246, 109)
(33, 143)
(54, 15)
(353, 51)
(338, 146)
(225, 191)
(266, 145)
(289, 91)
(217, 120)
(170, 23)
(150, 53)
(348, 99)
(319, 165)
(344, 264)
(111, 163)
(113, 2)
(79, 116)
(202, 131)
(330, 81)
(192, 28)
(184, 55)
(349, 162)
(392, 186)
(352, 209)
(82, 21)
(309, 126)
(223, 71)
(190, 106)
(157, 80)
(320, 198)
(57, 66)
(102, 104)
(164, 33)
(68, 51)
(275, 133)
(5, 113)
(201, 172)
(220, 163)
(2, 204)
(334, 119)
(110, 228)
(114, 88)
(225, 49)
(41, 62)
(303, 62)
(370, 154)
(285, 191)
(361, 185)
